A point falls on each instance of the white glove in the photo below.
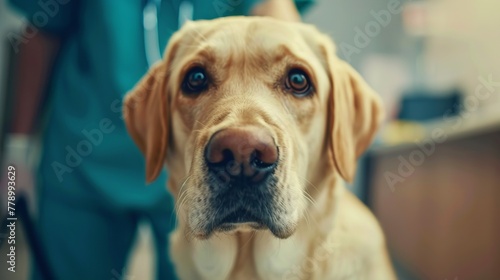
(17, 167)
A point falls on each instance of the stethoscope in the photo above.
(150, 23)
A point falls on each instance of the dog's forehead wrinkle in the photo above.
(267, 35)
(234, 42)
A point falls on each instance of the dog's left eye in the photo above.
(195, 81)
(298, 83)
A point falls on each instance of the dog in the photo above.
(260, 124)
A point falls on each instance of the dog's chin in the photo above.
(251, 227)
(244, 221)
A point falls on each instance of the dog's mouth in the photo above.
(241, 197)
(240, 218)
(245, 211)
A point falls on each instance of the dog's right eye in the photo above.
(195, 81)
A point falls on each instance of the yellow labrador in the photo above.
(260, 124)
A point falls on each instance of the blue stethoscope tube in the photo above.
(150, 24)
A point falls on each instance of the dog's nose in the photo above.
(248, 152)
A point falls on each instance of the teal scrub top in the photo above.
(87, 153)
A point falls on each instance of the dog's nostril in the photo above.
(258, 163)
(215, 157)
(227, 156)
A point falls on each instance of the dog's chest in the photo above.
(256, 256)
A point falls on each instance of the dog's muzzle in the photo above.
(240, 166)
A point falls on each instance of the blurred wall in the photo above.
(463, 45)
(342, 18)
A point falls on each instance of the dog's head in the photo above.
(246, 112)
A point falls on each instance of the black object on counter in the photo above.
(424, 105)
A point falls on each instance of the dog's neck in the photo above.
(258, 254)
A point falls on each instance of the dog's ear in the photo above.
(354, 113)
(146, 117)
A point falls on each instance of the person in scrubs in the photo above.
(76, 61)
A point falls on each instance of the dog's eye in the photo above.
(298, 83)
(195, 81)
